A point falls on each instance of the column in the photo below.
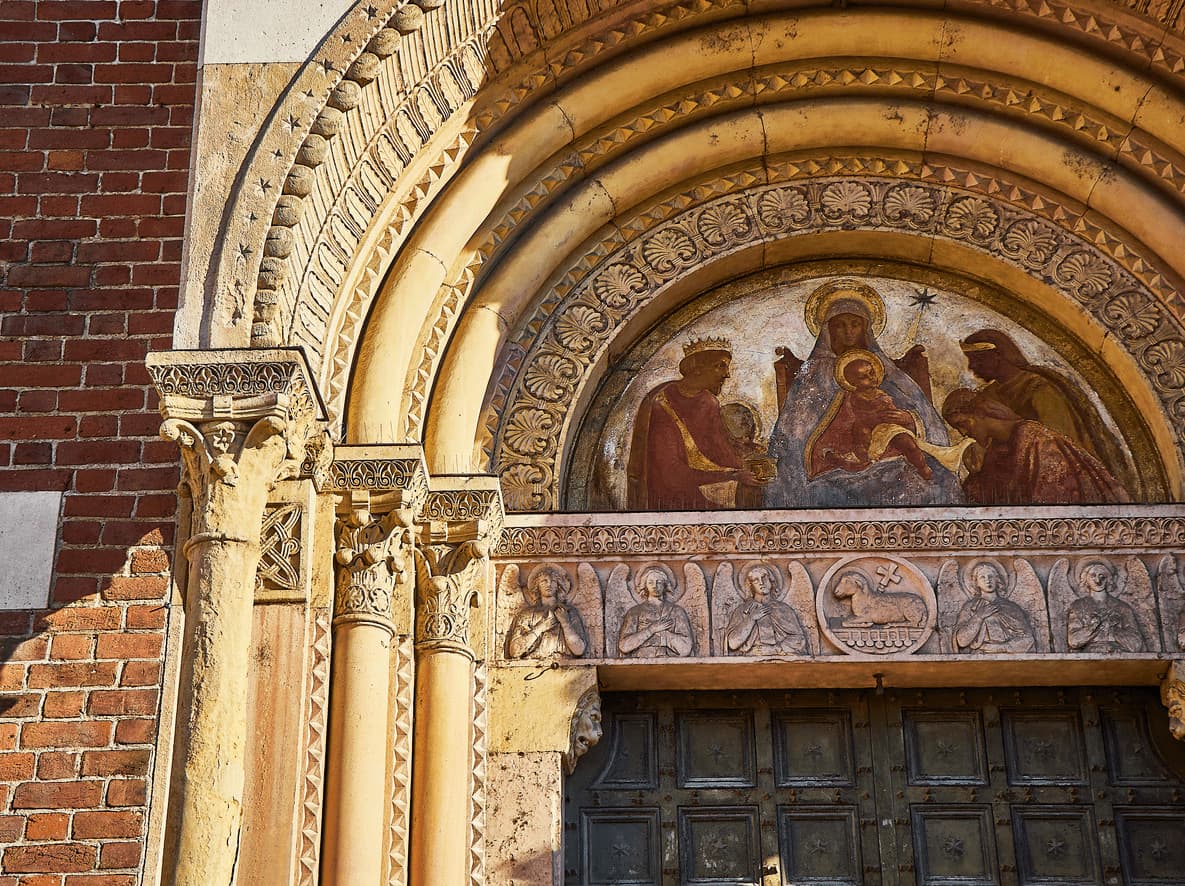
(243, 420)
(461, 519)
(381, 489)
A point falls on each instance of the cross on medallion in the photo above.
(888, 576)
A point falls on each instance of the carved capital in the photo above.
(1172, 696)
(243, 420)
(585, 729)
(372, 555)
(395, 474)
(459, 522)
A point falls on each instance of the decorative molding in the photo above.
(546, 365)
(403, 653)
(378, 470)
(607, 537)
(314, 777)
(478, 798)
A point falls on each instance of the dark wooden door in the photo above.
(1032, 786)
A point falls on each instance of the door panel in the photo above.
(1000, 787)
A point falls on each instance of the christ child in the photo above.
(863, 425)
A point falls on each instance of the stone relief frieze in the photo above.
(650, 613)
(876, 605)
(1101, 606)
(991, 606)
(546, 367)
(280, 544)
(834, 602)
(557, 617)
(756, 609)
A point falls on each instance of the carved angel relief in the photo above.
(1107, 610)
(1170, 590)
(750, 613)
(553, 620)
(987, 610)
(657, 626)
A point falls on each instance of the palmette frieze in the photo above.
(837, 605)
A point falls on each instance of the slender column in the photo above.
(242, 421)
(462, 519)
(374, 568)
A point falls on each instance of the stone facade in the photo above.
(384, 293)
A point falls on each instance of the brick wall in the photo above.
(96, 106)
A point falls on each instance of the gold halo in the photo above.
(853, 356)
(848, 289)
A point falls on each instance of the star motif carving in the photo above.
(1055, 847)
(953, 847)
(1158, 849)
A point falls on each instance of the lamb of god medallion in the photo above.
(876, 606)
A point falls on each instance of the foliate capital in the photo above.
(244, 419)
(460, 521)
(380, 489)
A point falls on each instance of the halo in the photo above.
(675, 593)
(847, 289)
(779, 584)
(968, 576)
(853, 356)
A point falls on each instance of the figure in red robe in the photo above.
(864, 424)
(679, 442)
(1026, 463)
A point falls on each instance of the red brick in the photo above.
(64, 705)
(14, 707)
(80, 618)
(47, 826)
(66, 734)
(57, 765)
(136, 587)
(101, 880)
(119, 855)
(107, 825)
(140, 673)
(135, 731)
(81, 674)
(11, 827)
(16, 767)
(123, 762)
(127, 792)
(58, 795)
(56, 857)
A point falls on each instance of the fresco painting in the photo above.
(869, 392)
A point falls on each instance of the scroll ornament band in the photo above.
(372, 558)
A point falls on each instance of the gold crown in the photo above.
(699, 345)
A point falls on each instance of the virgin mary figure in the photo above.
(848, 315)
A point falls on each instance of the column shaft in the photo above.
(441, 769)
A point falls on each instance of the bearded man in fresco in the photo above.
(1024, 462)
(1042, 395)
(679, 443)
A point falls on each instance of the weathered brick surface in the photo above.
(96, 107)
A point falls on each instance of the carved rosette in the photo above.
(460, 522)
(243, 421)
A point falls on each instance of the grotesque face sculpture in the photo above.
(586, 729)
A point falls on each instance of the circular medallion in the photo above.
(876, 605)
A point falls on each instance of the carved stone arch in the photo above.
(317, 96)
(546, 369)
